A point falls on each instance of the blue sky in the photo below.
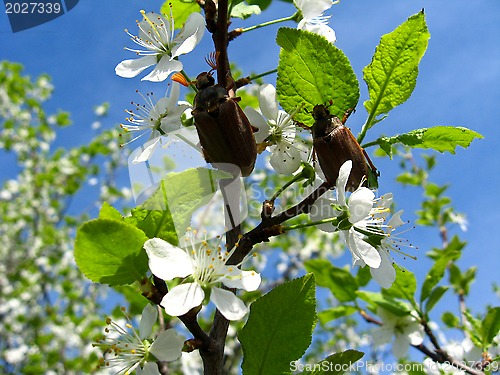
(458, 85)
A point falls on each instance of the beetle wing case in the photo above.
(224, 130)
(334, 144)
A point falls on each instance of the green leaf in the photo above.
(155, 223)
(279, 328)
(181, 9)
(340, 282)
(338, 363)
(109, 212)
(244, 11)
(490, 326)
(110, 252)
(439, 138)
(313, 71)
(476, 330)
(386, 302)
(450, 319)
(436, 273)
(336, 312)
(263, 4)
(404, 286)
(391, 76)
(434, 297)
(175, 200)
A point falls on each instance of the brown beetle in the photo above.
(334, 144)
(226, 135)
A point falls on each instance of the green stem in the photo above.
(290, 18)
(262, 74)
(305, 173)
(369, 144)
(333, 220)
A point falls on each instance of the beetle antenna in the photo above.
(211, 60)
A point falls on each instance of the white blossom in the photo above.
(276, 130)
(353, 216)
(313, 19)
(405, 329)
(160, 47)
(128, 349)
(207, 267)
(157, 119)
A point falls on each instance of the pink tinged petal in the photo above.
(163, 69)
(190, 35)
(344, 172)
(268, 102)
(246, 280)
(285, 159)
(167, 346)
(148, 319)
(149, 368)
(360, 204)
(147, 151)
(182, 298)
(385, 275)
(228, 304)
(362, 249)
(167, 261)
(395, 221)
(131, 68)
(401, 344)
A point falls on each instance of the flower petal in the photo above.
(182, 298)
(131, 68)
(417, 336)
(147, 151)
(167, 261)
(163, 69)
(246, 280)
(322, 209)
(285, 159)
(385, 274)
(149, 368)
(360, 204)
(381, 335)
(395, 221)
(173, 98)
(318, 28)
(190, 35)
(313, 8)
(228, 304)
(167, 346)
(362, 249)
(259, 122)
(400, 346)
(344, 172)
(268, 102)
(148, 319)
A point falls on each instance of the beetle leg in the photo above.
(347, 114)
(372, 167)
